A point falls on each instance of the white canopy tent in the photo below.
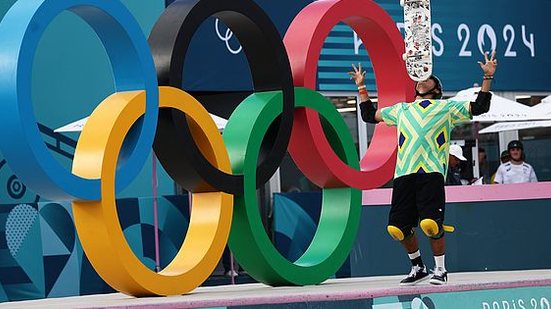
(79, 124)
(501, 109)
(517, 125)
(543, 110)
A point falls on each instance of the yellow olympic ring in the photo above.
(97, 221)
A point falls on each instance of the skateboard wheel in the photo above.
(404, 56)
(402, 3)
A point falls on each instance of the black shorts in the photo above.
(416, 197)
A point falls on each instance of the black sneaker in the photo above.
(439, 277)
(416, 275)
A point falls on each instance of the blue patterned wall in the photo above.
(40, 255)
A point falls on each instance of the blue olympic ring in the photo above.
(133, 69)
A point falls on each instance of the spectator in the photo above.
(516, 170)
(454, 171)
(483, 166)
(503, 158)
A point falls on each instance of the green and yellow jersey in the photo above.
(424, 129)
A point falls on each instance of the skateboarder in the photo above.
(418, 196)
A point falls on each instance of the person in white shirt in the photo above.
(516, 170)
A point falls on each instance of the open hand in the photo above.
(489, 67)
(357, 75)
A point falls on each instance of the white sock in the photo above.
(414, 255)
(439, 260)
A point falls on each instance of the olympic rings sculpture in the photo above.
(149, 109)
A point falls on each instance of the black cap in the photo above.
(515, 144)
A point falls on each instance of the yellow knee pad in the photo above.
(430, 227)
(433, 230)
(395, 233)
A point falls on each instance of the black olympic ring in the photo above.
(263, 46)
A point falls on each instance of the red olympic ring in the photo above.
(304, 40)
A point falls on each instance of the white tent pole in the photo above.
(476, 169)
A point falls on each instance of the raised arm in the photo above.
(368, 109)
(482, 103)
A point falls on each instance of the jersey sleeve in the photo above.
(390, 114)
(459, 112)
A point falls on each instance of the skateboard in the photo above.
(417, 39)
